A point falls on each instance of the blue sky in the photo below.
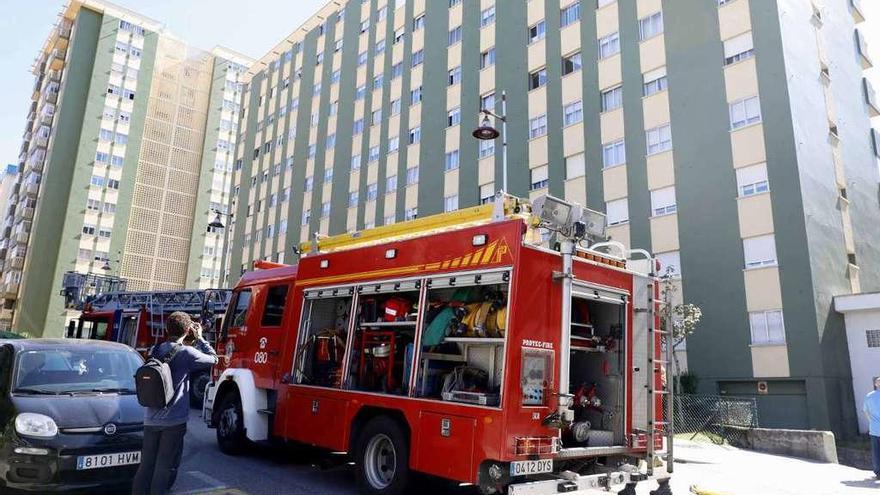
(251, 27)
(252, 30)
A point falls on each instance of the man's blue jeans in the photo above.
(875, 451)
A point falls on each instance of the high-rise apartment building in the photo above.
(730, 137)
(127, 149)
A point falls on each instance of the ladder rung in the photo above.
(658, 391)
(661, 361)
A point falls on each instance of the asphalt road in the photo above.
(205, 470)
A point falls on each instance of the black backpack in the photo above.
(153, 382)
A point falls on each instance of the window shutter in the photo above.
(738, 44)
(575, 166)
(655, 74)
(663, 197)
(751, 174)
(617, 211)
(539, 173)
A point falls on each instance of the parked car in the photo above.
(69, 415)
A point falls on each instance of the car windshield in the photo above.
(58, 371)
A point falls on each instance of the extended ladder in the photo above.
(657, 386)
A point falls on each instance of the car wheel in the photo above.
(382, 458)
(230, 425)
(197, 386)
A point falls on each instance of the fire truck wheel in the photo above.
(230, 425)
(197, 389)
(382, 462)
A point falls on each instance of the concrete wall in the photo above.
(861, 313)
(808, 444)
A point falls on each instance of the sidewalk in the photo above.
(731, 471)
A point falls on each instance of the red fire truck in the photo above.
(137, 319)
(490, 346)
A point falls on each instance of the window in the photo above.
(102, 157)
(617, 211)
(412, 175)
(395, 106)
(418, 57)
(396, 70)
(306, 216)
(654, 82)
(418, 22)
(331, 141)
(760, 251)
(573, 112)
(360, 92)
(393, 144)
(609, 45)
(88, 230)
(358, 127)
(411, 214)
(454, 76)
(487, 193)
(670, 263)
(373, 154)
(376, 117)
(538, 178)
(325, 209)
(650, 26)
(537, 32)
(380, 47)
(487, 101)
(377, 81)
(399, 35)
(391, 184)
(328, 175)
(487, 148)
(537, 126)
(767, 327)
(450, 203)
(487, 58)
(613, 154)
(575, 166)
(355, 162)
(612, 99)
(415, 135)
(572, 63)
(352, 199)
(415, 96)
(452, 160)
(309, 184)
(663, 201)
(659, 139)
(454, 35)
(453, 117)
(487, 16)
(372, 191)
(745, 112)
(752, 180)
(873, 338)
(570, 14)
(537, 79)
(738, 48)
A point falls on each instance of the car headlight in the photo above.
(35, 425)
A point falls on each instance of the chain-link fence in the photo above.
(718, 418)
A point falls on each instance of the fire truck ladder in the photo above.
(201, 302)
(503, 207)
(658, 387)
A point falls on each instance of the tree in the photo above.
(683, 318)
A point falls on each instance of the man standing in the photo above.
(872, 411)
(165, 427)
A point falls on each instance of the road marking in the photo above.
(216, 487)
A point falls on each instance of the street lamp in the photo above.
(217, 223)
(486, 132)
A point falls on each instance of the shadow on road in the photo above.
(865, 483)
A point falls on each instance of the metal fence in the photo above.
(716, 417)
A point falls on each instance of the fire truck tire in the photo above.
(382, 458)
(197, 385)
(230, 425)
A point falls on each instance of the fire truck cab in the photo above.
(461, 346)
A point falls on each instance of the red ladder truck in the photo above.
(460, 345)
(137, 319)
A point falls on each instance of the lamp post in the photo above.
(217, 223)
(486, 132)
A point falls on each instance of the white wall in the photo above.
(865, 361)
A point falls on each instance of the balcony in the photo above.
(56, 58)
(870, 98)
(21, 238)
(10, 290)
(857, 12)
(64, 29)
(54, 75)
(46, 116)
(41, 142)
(16, 263)
(862, 48)
(27, 213)
(31, 190)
